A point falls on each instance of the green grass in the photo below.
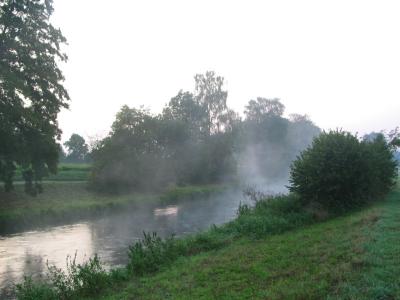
(380, 279)
(350, 257)
(68, 201)
(66, 172)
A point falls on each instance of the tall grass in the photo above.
(85, 279)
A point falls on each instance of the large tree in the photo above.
(210, 94)
(31, 90)
(77, 148)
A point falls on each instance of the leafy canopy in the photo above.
(77, 148)
(31, 90)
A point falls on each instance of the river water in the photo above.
(109, 236)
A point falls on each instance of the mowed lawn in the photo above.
(356, 256)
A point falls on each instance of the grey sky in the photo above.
(337, 61)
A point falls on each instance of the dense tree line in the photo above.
(198, 139)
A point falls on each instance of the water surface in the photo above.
(109, 236)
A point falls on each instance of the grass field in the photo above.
(66, 172)
(350, 257)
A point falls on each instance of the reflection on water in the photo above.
(27, 253)
(169, 210)
(108, 236)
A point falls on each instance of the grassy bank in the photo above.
(349, 257)
(293, 256)
(278, 249)
(67, 201)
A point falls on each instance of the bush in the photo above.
(269, 215)
(150, 253)
(339, 172)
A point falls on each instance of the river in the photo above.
(26, 253)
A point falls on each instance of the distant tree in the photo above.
(298, 118)
(197, 139)
(210, 94)
(31, 91)
(301, 132)
(257, 110)
(77, 148)
(394, 137)
(184, 108)
(269, 142)
(132, 156)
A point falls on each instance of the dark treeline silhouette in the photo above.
(198, 139)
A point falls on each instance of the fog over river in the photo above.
(109, 236)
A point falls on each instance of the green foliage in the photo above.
(77, 149)
(82, 280)
(340, 172)
(211, 96)
(256, 110)
(31, 91)
(151, 253)
(267, 142)
(270, 215)
(191, 142)
(197, 139)
(132, 157)
(29, 290)
(382, 165)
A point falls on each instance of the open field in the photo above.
(66, 172)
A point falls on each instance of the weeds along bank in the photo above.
(66, 202)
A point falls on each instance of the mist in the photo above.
(198, 139)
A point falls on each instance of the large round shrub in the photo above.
(338, 171)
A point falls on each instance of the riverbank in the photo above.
(350, 257)
(64, 202)
(276, 250)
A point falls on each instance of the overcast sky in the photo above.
(337, 61)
